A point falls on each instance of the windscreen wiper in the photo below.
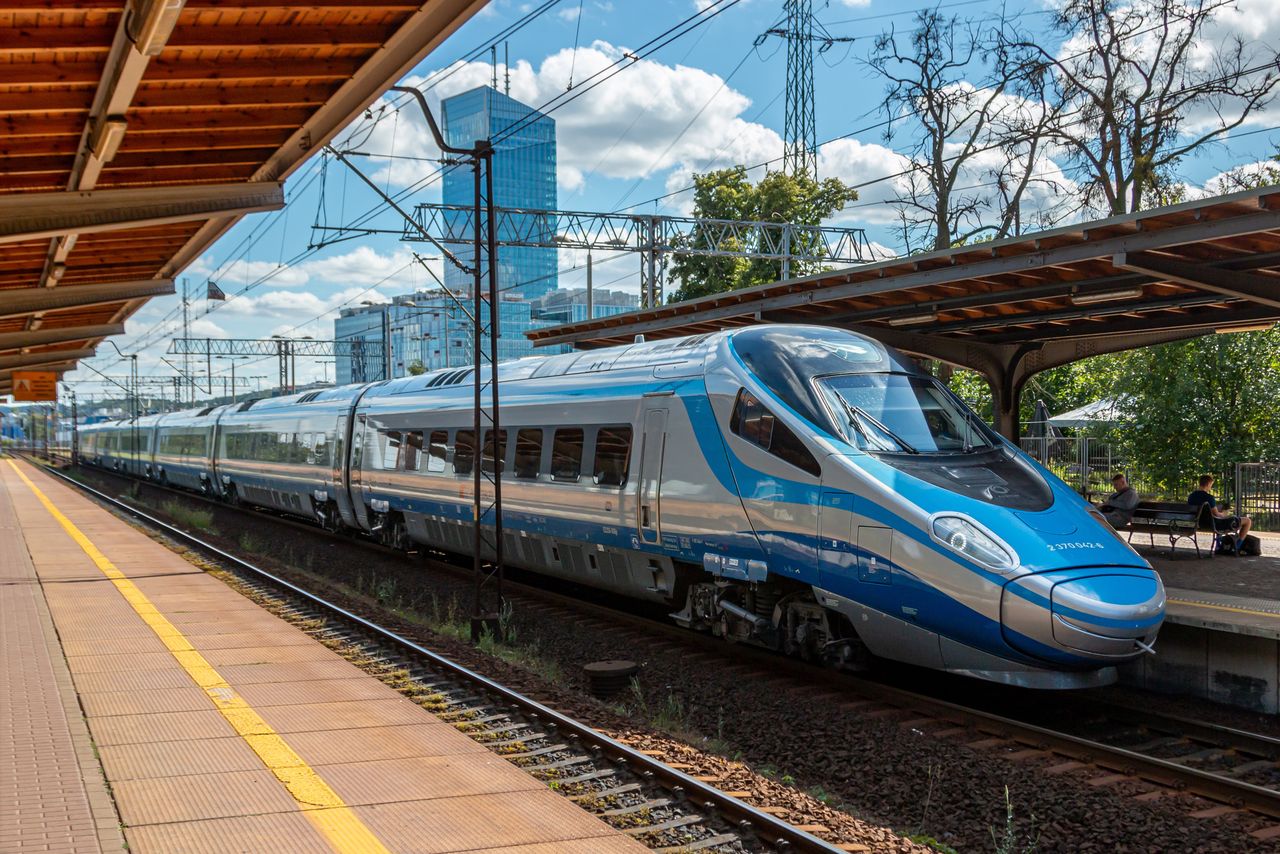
(857, 414)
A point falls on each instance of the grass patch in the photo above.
(192, 517)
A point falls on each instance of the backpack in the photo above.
(1252, 546)
(1227, 545)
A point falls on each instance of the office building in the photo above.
(429, 329)
(524, 176)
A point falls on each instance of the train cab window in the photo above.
(412, 450)
(753, 422)
(464, 452)
(613, 453)
(437, 450)
(528, 453)
(488, 452)
(566, 454)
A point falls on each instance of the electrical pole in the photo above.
(186, 333)
(386, 342)
(800, 128)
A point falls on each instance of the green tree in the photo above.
(1200, 405)
(729, 194)
(416, 368)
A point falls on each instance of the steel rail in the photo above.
(769, 829)
(1160, 771)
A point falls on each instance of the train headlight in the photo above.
(964, 537)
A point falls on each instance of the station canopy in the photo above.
(1013, 307)
(134, 134)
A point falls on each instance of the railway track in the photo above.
(645, 798)
(1236, 770)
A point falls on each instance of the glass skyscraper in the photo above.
(524, 176)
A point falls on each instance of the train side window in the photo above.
(613, 453)
(566, 454)
(437, 449)
(753, 422)
(464, 452)
(528, 452)
(389, 458)
(488, 452)
(321, 449)
(412, 450)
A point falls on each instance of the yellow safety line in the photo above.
(1225, 608)
(332, 817)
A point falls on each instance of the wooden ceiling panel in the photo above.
(226, 100)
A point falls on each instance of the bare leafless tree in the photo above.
(961, 93)
(1140, 84)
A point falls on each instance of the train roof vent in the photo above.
(694, 341)
(308, 397)
(451, 378)
(205, 411)
(244, 406)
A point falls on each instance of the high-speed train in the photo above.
(803, 488)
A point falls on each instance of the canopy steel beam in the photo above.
(31, 360)
(39, 338)
(1199, 323)
(17, 302)
(878, 278)
(34, 216)
(1263, 290)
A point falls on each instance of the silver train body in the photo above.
(803, 488)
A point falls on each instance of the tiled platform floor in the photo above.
(183, 777)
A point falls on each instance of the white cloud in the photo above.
(856, 162)
(648, 118)
(205, 328)
(855, 4)
(569, 13)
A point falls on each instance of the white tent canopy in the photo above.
(1105, 411)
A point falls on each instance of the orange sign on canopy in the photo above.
(35, 385)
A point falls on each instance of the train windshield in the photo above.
(903, 414)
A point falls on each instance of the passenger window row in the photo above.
(306, 448)
(607, 447)
(192, 444)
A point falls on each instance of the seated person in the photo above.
(1222, 520)
(1120, 506)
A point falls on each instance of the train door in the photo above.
(355, 479)
(653, 444)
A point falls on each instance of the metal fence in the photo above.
(1257, 486)
(1087, 465)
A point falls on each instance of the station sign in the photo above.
(35, 386)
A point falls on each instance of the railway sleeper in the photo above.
(562, 763)
(541, 751)
(640, 807)
(700, 845)
(524, 739)
(669, 824)
(1250, 767)
(616, 791)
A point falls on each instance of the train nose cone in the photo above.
(1105, 616)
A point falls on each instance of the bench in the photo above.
(1176, 520)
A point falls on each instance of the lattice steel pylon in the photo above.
(800, 126)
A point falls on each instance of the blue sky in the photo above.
(707, 100)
